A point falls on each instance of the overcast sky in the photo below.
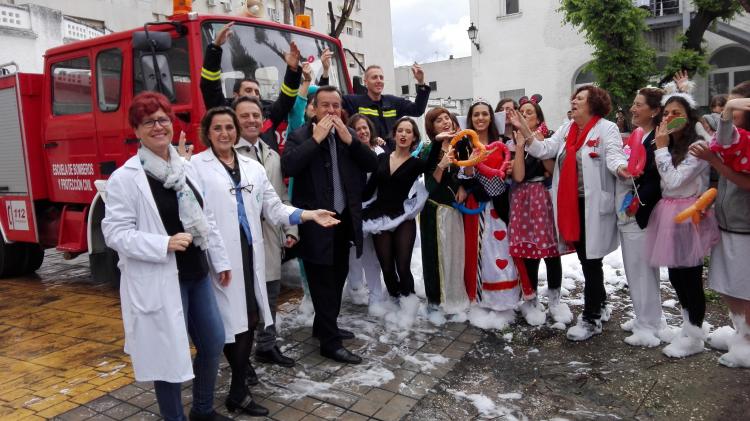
(429, 30)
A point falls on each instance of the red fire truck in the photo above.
(63, 132)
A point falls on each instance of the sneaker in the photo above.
(584, 330)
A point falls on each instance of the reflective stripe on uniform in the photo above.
(288, 91)
(389, 113)
(368, 111)
(209, 75)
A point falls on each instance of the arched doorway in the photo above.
(730, 66)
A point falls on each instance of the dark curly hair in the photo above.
(209, 117)
(599, 100)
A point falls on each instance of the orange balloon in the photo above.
(475, 143)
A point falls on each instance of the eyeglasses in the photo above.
(248, 188)
(163, 122)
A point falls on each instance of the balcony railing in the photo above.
(659, 8)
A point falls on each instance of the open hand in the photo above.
(292, 57)
(322, 128)
(307, 72)
(342, 130)
(682, 80)
(322, 217)
(418, 73)
(325, 60)
(223, 34)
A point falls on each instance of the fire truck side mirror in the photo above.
(160, 41)
(153, 63)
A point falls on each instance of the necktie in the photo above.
(338, 190)
(256, 153)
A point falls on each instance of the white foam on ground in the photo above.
(533, 312)
(720, 338)
(510, 396)
(486, 407)
(488, 319)
(643, 337)
(404, 318)
(426, 362)
(669, 303)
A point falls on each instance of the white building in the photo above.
(29, 27)
(524, 48)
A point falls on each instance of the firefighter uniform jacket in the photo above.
(390, 108)
(274, 113)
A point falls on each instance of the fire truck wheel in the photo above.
(34, 257)
(11, 259)
(104, 267)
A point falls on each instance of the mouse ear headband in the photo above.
(535, 99)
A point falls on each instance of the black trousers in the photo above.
(594, 294)
(688, 284)
(554, 271)
(238, 353)
(326, 283)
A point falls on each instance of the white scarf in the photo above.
(172, 174)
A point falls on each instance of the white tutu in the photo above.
(412, 206)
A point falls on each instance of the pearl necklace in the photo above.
(230, 163)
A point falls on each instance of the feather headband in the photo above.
(671, 90)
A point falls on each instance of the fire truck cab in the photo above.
(63, 132)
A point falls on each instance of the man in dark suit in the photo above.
(327, 166)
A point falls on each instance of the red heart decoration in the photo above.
(501, 263)
(494, 214)
(500, 235)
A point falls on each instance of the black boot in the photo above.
(273, 356)
(247, 406)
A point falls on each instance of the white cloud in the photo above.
(429, 30)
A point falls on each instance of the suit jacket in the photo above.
(310, 165)
(274, 236)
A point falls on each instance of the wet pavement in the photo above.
(61, 357)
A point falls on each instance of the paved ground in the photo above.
(61, 357)
(61, 342)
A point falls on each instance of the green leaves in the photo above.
(622, 60)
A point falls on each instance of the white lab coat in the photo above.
(599, 175)
(215, 184)
(156, 336)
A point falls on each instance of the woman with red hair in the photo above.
(165, 236)
(589, 156)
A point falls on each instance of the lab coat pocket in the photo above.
(145, 283)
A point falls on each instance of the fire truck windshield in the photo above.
(258, 52)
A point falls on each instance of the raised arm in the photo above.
(289, 88)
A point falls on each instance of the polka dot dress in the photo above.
(532, 228)
(737, 155)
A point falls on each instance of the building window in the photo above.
(309, 12)
(511, 7)
(358, 29)
(730, 67)
(404, 89)
(583, 77)
(71, 87)
(514, 94)
(273, 14)
(108, 79)
(433, 85)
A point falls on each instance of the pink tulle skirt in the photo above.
(679, 245)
